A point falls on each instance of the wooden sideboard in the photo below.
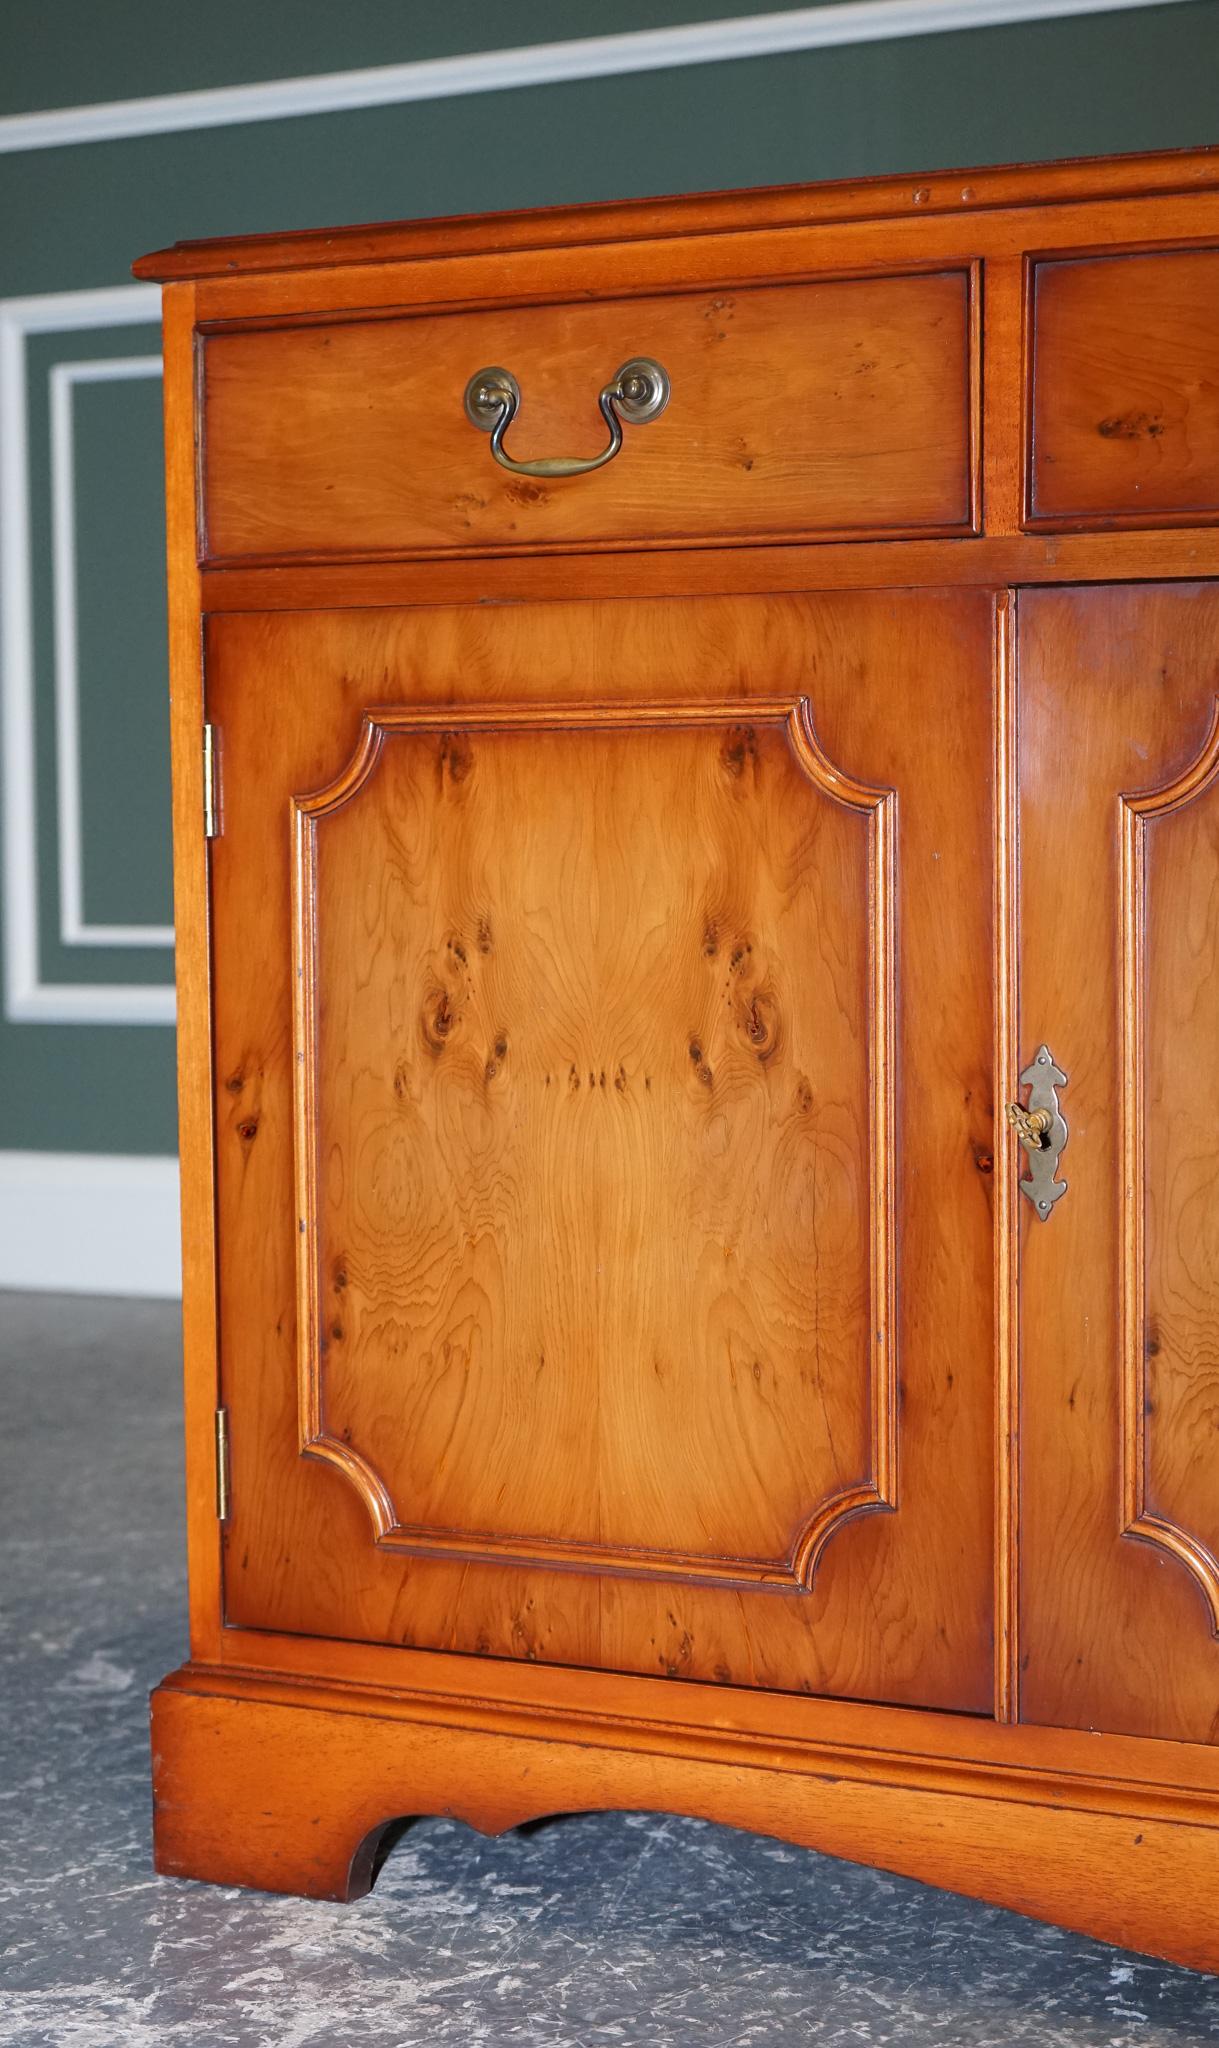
(696, 770)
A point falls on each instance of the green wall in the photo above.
(74, 217)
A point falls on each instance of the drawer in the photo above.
(1125, 404)
(812, 409)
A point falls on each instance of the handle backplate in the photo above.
(1042, 1130)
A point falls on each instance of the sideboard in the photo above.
(696, 795)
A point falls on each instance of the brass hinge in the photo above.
(222, 1464)
(211, 783)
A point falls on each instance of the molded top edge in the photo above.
(939, 192)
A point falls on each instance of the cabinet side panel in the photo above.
(193, 972)
(589, 1031)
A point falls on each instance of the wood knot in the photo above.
(248, 1129)
(1131, 426)
(699, 1064)
(739, 751)
(456, 757)
(438, 1022)
(760, 1026)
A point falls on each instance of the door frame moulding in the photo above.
(734, 39)
(28, 998)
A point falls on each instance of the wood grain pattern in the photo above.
(1007, 1240)
(1125, 400)
(691, 260)
(671, 997)
(299, 1545)
(834, 406)
(1182, 554)
(1117, 695)
(311, 1786)
(192, 972)
(971, 815)
(972, 192)
(573, 1704)
(1170, 1030)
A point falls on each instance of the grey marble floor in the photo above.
(602, 1931)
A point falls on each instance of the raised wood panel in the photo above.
(595, 1136)
(1125, 400)
(813, 408)
(1119, 949)
(1170, 1269)
(791, 855)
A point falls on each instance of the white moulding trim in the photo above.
(86, 1223)
(582, 57)
(27, 998)
(74, 929)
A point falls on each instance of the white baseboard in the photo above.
(89, 1223)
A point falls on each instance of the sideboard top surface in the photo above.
(910, 194)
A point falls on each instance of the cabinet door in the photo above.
(1119, 960)
(603, 1035)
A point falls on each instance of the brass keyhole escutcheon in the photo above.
(1042, 1130)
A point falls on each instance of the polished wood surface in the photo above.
(643, 975)
(192, 969)
(1119, 855)
(1097, 1839)
(990, 564)
(823, 835)
(705, 1251)
(1125, 399)
(1159, 174)
(829, 407)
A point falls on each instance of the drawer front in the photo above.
(809, 409)
(1125, 412)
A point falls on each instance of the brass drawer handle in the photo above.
(1042, 1130)
(639, 392)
